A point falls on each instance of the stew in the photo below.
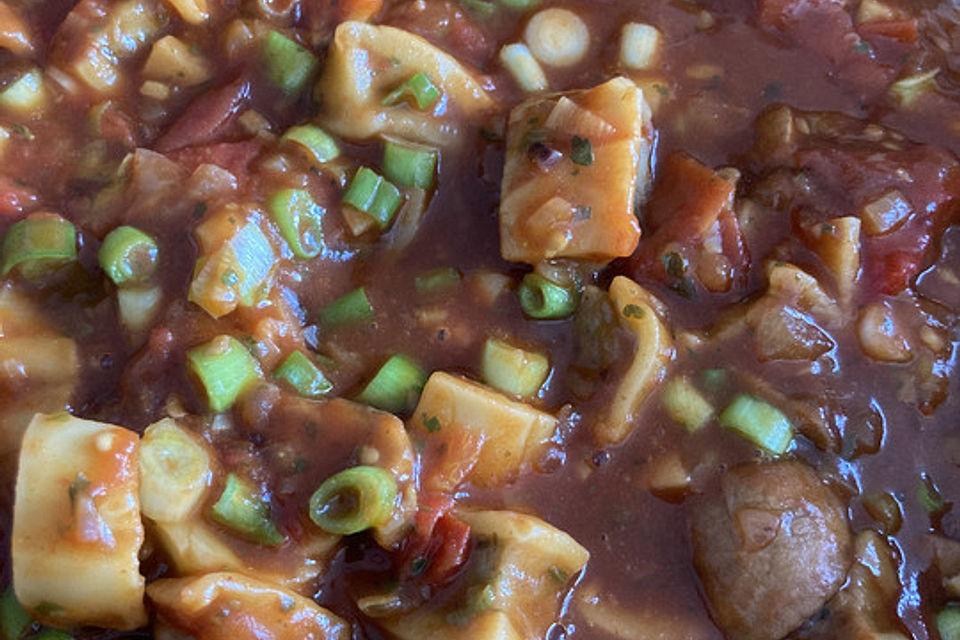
(479, 319)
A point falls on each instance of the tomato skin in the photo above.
(439, 544)
(235, 157)
(899, 267)
(900, 30)
(15, 199)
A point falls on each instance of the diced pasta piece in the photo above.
(886, 213)
(639, 313)
(557, 37)
(520, 568)
(639, 45)
(77, 514)
(881, 335)
(173, 62)
(137, 307)
(795, 287)
(837, 242)
(191, 11)
(32, 356)
(226, 606)
(588, 151)
(367, 62)
(524, 68)
(95, 38)
(15, 35)
(501, 435)
(26, 95)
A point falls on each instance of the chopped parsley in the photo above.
(581, 212)
(581, 151)
(633, 311)
(431, 423)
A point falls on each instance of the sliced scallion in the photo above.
(395, 386)
(353, 500)
(350, 308)
(520, 5)
(545, 300)
(418, 89)
(370, 193)
(243, 511)
(299, 219)
(409, 165)
(758, 421)
(948, 622)
(288, 64)
(38, 243)
(14, 621)
(225, 368)
(315, 140)
(302, 374)
(513, 370)
(437, 280)
(128, 256)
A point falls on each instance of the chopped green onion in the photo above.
(409, 165)
(175, 471)
(370, 193)
(513, 370)
(526, 71)
(52, 634)
(928, 495)
(481, 8)
(418, 88)
(685, 405)
(353, 500)
(520, 5)
(128, 255)
(246, 513)
(436, 280)
(299, 372)
(288, 64)
(37, 243)
(318, 142)
(225, 368)
(948, 622)
(759, 422)
(299, 219)
(395, 386)
(543, 299)
(349, 308)
(14, 621)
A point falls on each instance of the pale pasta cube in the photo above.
(76, 524)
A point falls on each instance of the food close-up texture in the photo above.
(479, 319)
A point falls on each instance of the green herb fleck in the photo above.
(558, 574)
(581, 151)
(772, 90)
(22, 131)
(661, 89)
(419, 565)
(79, 484)
(674, 264)
(431, 423)
(581, 212)
(199, 209)
(230, 278)
(863, 47)
(633, 311)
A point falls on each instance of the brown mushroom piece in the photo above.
(771, 548)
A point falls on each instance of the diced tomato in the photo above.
(899, 267)
(900, 30)
(15, 199)
(439, 544)
(235, 157)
